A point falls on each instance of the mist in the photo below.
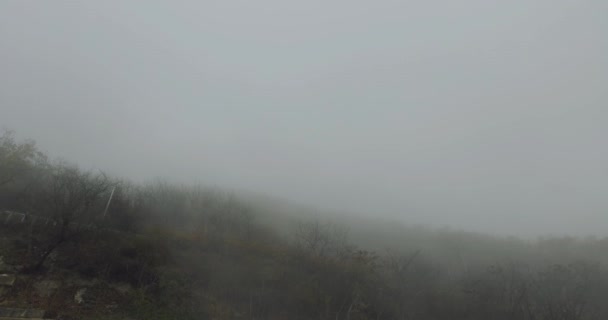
(479, 116)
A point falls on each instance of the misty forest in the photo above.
(166, 251)
(311, 160)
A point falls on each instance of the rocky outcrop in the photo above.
(7, 280)
(14, 313)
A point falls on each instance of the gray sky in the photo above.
(476, 114)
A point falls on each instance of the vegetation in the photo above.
(162, 251)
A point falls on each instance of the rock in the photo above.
(7, 280)
(79, 297)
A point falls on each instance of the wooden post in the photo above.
(105, 211)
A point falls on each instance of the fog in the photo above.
(477, 115)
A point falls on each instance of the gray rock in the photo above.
(79, 296)
(7, 280)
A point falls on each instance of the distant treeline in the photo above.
(195, 252)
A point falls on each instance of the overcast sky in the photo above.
(477, 114)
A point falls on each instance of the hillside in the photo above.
(165, 251)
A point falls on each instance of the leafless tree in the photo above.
(322, 239)
(70, 195)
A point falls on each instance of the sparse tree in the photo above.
(21, 167)
(16, 158)
(70, 195)
(322, 239)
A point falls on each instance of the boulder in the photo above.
(79, 297)
(7, 280)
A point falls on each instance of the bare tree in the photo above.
(322, 239)
(70, 195)
(312, 237)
